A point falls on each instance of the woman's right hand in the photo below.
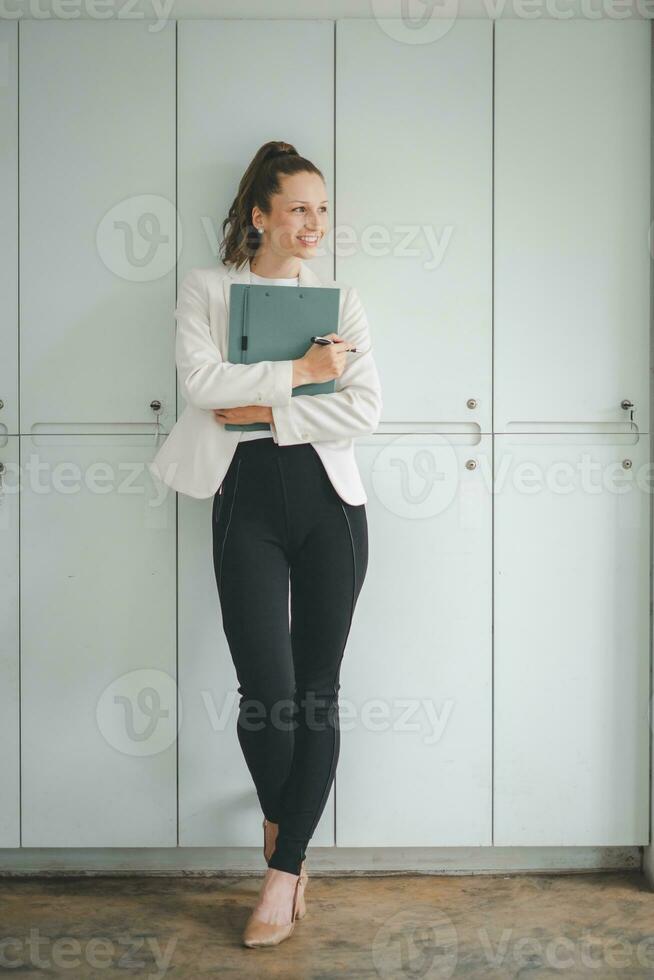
(322, 362)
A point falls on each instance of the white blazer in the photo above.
(198, 450)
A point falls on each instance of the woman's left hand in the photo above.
(244, 414)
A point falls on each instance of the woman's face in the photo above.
(299, 218)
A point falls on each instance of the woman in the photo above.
(288, 508)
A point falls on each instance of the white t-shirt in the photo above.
(266, 281)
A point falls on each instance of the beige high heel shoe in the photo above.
(270, 831)
(260, 933)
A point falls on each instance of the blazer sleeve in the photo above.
(353, 408)
(209, 382)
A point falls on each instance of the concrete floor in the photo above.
(393, 926)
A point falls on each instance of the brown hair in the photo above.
(258, 184)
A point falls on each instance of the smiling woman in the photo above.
(289, 510)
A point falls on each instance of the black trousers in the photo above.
(279, 526)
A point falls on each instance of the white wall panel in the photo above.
(414, 205)
(571, 757)
(97, 224)
(9, 227)
(9, 651)
(572, 215)
(98, 697)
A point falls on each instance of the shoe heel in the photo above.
(301, 910)
(297, 898)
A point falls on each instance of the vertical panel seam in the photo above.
(229, 521)
(286, 511)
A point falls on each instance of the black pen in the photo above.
(324, 340)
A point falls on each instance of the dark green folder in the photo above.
(276, 323)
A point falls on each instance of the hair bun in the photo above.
(285, 151)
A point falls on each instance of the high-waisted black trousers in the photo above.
(278, 523)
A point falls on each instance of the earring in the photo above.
(260, 230)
